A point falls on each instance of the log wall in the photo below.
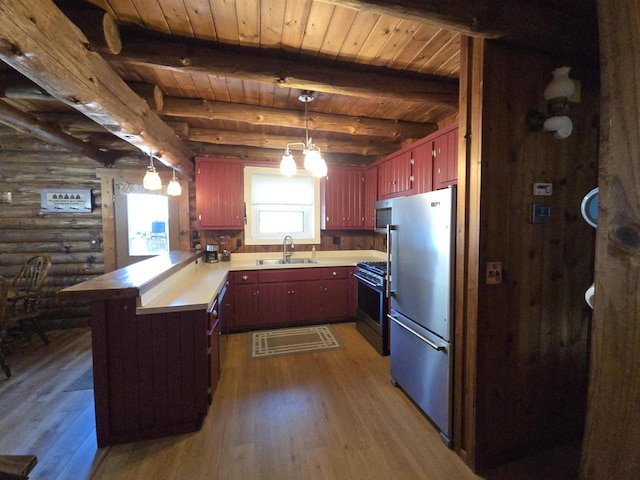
(73, 240)
(533, 328)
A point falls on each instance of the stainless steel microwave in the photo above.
(382, 215)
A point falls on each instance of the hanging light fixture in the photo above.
(151, 179)
(174, 189)
(313, 160)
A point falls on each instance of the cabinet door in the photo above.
(352, 286)
(306, 302)
(246, 305)
(274, 303)
(445, 159)
(394, 175)
(369, 196)
(423, 168)
(335, 295)
(343, 197)
(219, 194)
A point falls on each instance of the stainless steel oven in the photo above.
(371, 320)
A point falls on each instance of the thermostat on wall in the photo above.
(540, 213)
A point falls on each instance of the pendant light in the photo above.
(174, 189)
(313, 160)
(151, 179)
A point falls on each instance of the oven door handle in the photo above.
(421, 337)
(366, 281)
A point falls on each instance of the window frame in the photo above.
(251, 237)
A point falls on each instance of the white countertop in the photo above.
(195, 286)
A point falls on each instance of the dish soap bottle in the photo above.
(313, 252)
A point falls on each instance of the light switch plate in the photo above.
(5, 197)
(545, 189)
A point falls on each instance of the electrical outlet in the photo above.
(5, 197)
(544, 189)
(494, 273)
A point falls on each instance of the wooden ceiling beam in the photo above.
(30, 125)
(279, 142)
(40, 42)
(261, 154)
(560, 33)
(305, 73)
(257, 115)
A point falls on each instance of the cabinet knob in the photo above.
(335, 274)
(293, 292)
(255, 293)
(326, 289)
(245, 278)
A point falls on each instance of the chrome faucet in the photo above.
(286, 255)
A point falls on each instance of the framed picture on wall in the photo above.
(65, 200)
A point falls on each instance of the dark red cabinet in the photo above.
(291, 296)
(369, 196)
(445, 159)
(343, 198)
(395, 175)
(219, 194)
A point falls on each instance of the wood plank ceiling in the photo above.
(230, 73)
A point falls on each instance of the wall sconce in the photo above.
(556, 94)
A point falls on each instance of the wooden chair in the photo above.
(24, 296)
(4, 362)
(16, 467)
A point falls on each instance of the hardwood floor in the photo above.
(328, 415)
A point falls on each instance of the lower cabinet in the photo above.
(279, 297)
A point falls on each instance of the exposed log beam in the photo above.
(40, 42)
(525, 23)
(305, 73)
(29, 125)
(358, 147)
(257, 115)
(254, 153)
(100, 27)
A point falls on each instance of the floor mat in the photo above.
(287, 341)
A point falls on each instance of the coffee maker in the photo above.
(211, 253)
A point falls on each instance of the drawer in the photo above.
(247, 276)
(290, 275)
(333, 273)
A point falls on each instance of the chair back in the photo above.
(33, 274)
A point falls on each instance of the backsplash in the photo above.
(331, 240)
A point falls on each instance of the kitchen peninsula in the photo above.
(155, 330)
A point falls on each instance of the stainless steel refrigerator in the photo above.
(422, 240)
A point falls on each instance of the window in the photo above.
(148, 219)
(279, 206)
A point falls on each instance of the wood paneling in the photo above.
(532, 329)
(612, 438)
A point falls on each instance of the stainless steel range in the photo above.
(372, 320)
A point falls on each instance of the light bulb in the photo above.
(151, 180)
(174, 189)
(288, 165)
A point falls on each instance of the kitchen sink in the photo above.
(279, 261)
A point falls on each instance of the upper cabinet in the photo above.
(219, 194)
(369, 196)
(445, 159)
(343, 197)
(428, 164)
(394, 175)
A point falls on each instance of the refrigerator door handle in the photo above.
(424, 339)
(389, 272)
